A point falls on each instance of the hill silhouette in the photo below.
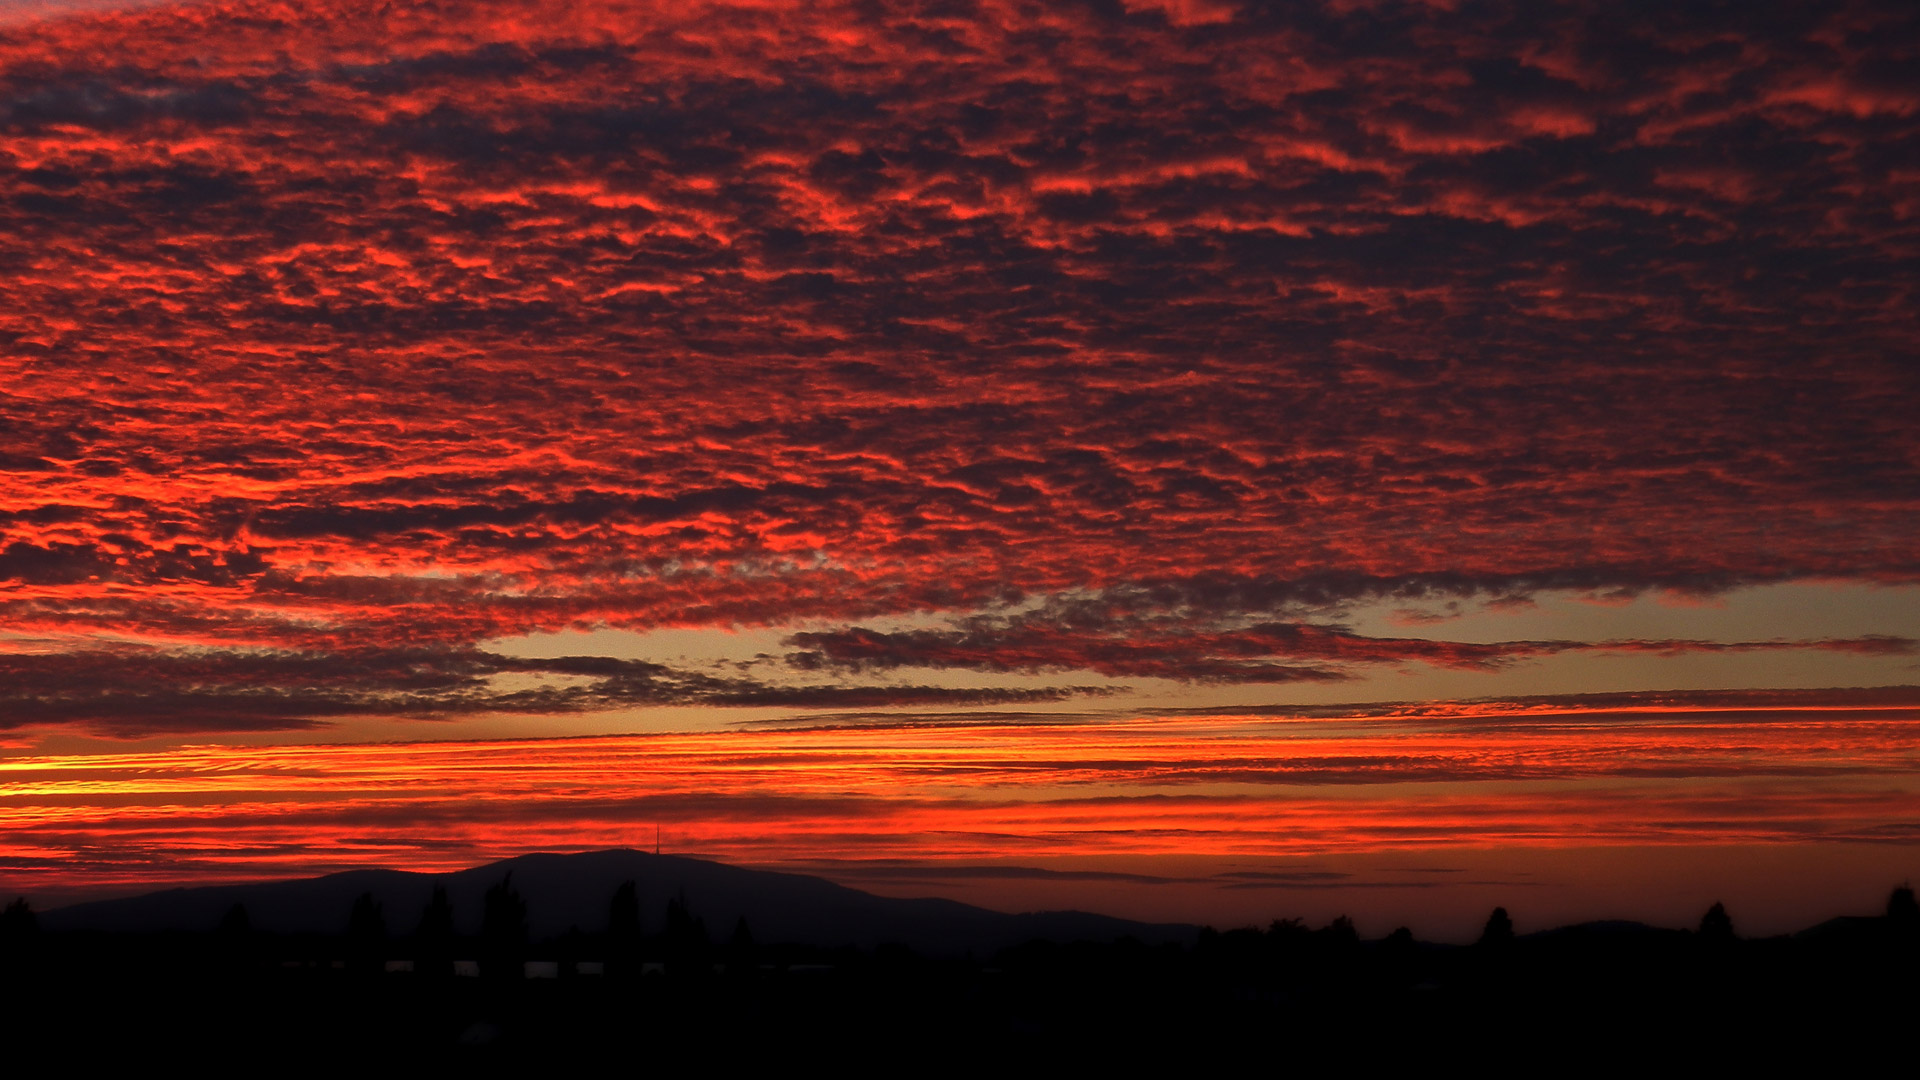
(564, 892)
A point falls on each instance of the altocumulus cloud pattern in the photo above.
(338, 339)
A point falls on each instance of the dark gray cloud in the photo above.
(143, 692)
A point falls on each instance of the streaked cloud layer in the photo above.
(931, 799)
(984, 354)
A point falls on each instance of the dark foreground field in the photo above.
(1601, 995)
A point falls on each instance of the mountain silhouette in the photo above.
(564, 892)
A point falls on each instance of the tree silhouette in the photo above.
(684, 938)
(742, 954)
(1716, 926)
(1903, 923)
(366, 930)
(234, 936)
(623, 930)
(1287, 928)
(623, 915)
(503, 916)
(1499, 930)
(503, 927)
(19, 932)
(235, 924)
(436, 919)
(18, 922)
(1399, 953)
(367, 921)
(1341, 935)
(1901, 908)
(435, 935)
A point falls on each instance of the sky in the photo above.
(1198, 460)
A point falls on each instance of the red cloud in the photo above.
(360, 326)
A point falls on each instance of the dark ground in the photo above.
(1610, 996)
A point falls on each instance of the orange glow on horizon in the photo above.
(1209, 786)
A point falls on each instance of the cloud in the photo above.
(144, 692)
(141, 691)
(1200, 650)
(374, 327)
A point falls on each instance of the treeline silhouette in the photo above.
(407, 983)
